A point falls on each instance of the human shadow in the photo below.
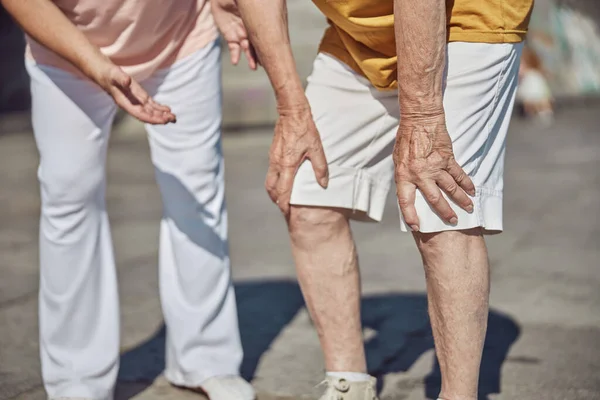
(400, 328)
(264, 309)
(403, 335)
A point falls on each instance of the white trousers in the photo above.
(78, 303)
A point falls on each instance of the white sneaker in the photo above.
(341, 389)
(228, 388)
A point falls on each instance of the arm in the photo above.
(420, 27)
(45, 22)
(296, 138)
(267, 25)
(423, 153)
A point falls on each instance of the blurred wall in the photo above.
(565, 33)
(566, 36)
(14, 83)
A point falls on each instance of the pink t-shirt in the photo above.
(140, 36)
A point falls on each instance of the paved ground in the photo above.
(544, 335)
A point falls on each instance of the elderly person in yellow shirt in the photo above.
(420, 91)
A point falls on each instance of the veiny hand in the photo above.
(424, 159)
(130, 96)
(228, 20)
(296, 139)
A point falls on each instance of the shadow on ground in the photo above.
(399, 322)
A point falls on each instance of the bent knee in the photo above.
(312, 225)
(430, 244)
(70, 186)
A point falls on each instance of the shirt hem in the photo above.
(487, 36)
(491, 37)
(49, 58)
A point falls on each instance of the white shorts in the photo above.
(358, 125)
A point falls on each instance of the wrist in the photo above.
(290, 96)
(419, 122)
(295, 111)
(293, 105)
(421, 112)
(420, 103)
(97, 67)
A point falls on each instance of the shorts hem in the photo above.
(487, 214)
(349, 188)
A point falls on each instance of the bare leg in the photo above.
(457, 273)
(327, 267)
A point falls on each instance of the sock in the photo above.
(350, 376)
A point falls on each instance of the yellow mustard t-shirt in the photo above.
(361, 32)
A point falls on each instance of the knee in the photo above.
(195, 199)
(70, 185)
(309, 226)
(436, 246)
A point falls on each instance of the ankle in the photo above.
(455, 397)
(349, 376)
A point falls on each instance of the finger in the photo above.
(119, 78)
(135, 100)
(436, 200)
(254, 55)
(274, 167)
(319, 165)
(156, 118)
(455, 192)
(159, 106)
(249, 55)
(271, 183)
(161, 112)
(234, 52)
(406, 200)
(460, 176)
(137, 92)
(160, 116)
(284, 189)
(137, 110)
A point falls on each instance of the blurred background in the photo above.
(544, 326)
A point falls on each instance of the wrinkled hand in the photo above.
(228, 20)
(296, 139)
(130, 96)
(424, 159)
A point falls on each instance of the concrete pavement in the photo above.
(544, 335)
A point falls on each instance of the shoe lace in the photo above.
(337, 388)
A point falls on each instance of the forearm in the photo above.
(45, 22)
(420, 27)
(267, 25)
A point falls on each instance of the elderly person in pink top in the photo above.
(86, 58)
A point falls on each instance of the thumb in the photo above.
(120, 78)
(235, 52)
